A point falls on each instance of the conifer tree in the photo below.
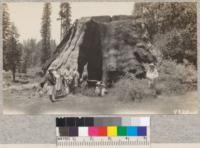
(6, 34)
(46, 33)
(65, 16)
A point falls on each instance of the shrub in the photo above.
(128, 89)
(176, 24)
(176, 78)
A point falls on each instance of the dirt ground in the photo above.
(26, 102)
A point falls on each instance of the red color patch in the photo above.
(102, 131)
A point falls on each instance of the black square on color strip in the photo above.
(65, 122)
(89, 121)
(60, 122)
(71, 121)
(79, 122)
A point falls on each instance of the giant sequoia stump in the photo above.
(108, 46)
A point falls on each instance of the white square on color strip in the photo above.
(126, 121)
(83, 131)
(57, 131)
(145, 121)
(135, 121)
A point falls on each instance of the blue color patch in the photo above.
(142, 131)
(131, 131)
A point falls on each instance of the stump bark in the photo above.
(105, 47)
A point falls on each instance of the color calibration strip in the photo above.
(102, 131)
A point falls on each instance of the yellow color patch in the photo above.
(112, 131)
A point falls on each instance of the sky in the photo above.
(27, 15)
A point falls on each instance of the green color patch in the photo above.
(121, 131)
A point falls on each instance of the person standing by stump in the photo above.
(152, 75)
(66, 79)
(75, 80)
(51, 82)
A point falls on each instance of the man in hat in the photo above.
(152, 75)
